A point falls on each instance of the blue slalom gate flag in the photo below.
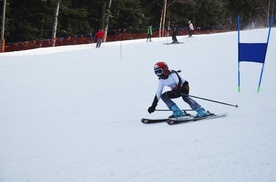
(252, 52)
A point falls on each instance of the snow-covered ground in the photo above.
(72, 113)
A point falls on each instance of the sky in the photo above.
(73, 113)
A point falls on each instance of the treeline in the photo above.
(34, 19)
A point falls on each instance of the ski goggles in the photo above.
(158, 71)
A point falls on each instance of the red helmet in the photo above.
(161, 69)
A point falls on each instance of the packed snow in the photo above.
(73, 113)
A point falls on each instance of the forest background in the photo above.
(35, 19)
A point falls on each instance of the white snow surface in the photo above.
(73, 113)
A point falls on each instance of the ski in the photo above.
(173, 43)
(185, 120)
(150, 121)
(160, 120)
(178, 120)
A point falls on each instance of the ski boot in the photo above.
(201, 112)
(176, 112)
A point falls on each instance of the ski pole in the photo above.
(212, 100)
(187, 39)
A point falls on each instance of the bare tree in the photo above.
(54, 30)
(3, 27)
(163, 19)
(166, 4)
(266, 7)
(107, 15)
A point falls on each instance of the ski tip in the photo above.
(210, 114)
(170, 122)
(145, 121)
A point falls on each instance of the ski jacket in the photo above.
(172, 81)
(191, 26)
(100, 34)
(175, 29)
(150, 30)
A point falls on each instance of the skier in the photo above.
(175, 29)
(179, 88)
(100, 36)
(149, 33)
(191, 28)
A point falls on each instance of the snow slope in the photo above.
(72, 113)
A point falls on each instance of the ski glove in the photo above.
(151, 109)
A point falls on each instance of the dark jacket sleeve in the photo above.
(155, 101)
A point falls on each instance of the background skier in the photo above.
(179, 88)
(100, 36)
(149, 33)
(175, 30)
(191, 28)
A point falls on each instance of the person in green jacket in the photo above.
(149, 33)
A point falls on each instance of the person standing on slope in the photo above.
(175, 30)
(149, 33)
(191, 28)
(179, 88)
(100, 36)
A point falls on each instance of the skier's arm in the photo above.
(151, 109)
